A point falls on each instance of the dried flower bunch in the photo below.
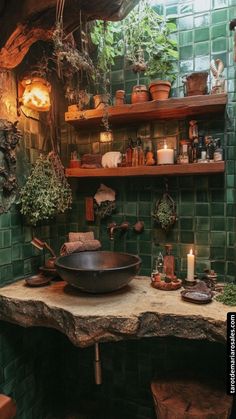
(165, 212)
(46, 192)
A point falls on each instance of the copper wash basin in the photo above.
(98, 271)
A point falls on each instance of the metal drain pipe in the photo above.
(97, 366)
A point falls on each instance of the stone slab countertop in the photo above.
(136, 311)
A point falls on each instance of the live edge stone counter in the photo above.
(137, 311)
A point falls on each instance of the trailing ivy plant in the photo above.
(46, 192)
(149, 46)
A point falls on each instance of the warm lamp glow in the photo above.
(36, 94)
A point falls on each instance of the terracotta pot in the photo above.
(100, 101)
(160, 89)
(140, 94)
(195, 83)
(120, 97)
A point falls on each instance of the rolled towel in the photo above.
(74, 237)
(79, 246)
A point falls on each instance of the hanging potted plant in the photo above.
(105, 35)
(149, 47)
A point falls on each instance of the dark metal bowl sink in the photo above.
(98, 271)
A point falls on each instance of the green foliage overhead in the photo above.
(146, 30)
(46, 193)
(106, 36)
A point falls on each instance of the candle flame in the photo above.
(191, 251)
(165, 146)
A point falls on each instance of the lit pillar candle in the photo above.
(165, 155)
(190, 266)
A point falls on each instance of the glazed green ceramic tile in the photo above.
(219, 45)
(230, 254)
(202, 48)
(187, 196)
(218, 267)
(201, 63)
(217, 195)
(218, 16)
(202, 209)
(201, 5)
(202, 238)
(5, 220)
(186, 223)
(202, 196)
(231, 268)
(219, 4)
(230, 196)
(201, 35)
(186, 52)
(230, 238)
(218, 238)
(217, 253)
(186, 237)
(16, 252)
(218, 224)
(231, 224)
(202, 252)
(202, 265)
(202, 223)
(185, 38)
(145, 248)
(185, 9)
(172, 11)
(185, 22)
(5, 256)
(132, 247)
(186, 210)
(145, 209)
(218, 31)
(201, 21)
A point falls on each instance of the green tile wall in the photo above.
(17, 256)
(205, 204)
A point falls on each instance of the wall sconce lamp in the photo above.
(34, 93)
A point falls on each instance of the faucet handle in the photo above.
(125, 225)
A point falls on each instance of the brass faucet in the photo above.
(112, 227)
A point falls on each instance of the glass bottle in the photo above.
(218, 153)
(159, 264)
(169, 262)
(129, 153)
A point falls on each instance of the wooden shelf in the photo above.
(162, 170)
(173, 108)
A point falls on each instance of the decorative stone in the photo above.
(137, 311)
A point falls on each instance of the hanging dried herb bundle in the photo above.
(165, 211)
(46, 192)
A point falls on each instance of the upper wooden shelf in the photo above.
(173, 108)
(162, 170)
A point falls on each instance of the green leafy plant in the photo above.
(149, 46)
(106, 36)
(228, 296)
(46, 192)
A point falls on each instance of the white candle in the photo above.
(165, 155)
(190, 266)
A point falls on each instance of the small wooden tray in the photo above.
(167, 286)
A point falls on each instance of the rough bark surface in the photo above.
(137, 311)
(24, 22)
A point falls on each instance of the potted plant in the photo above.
(149, 46)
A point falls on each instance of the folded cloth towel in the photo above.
(74, 237)
(79, 246)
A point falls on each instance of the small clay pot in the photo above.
(160, 89)
(100, 101)
(74, 163)
(140, 94)
(120, 97)
(195, 83)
